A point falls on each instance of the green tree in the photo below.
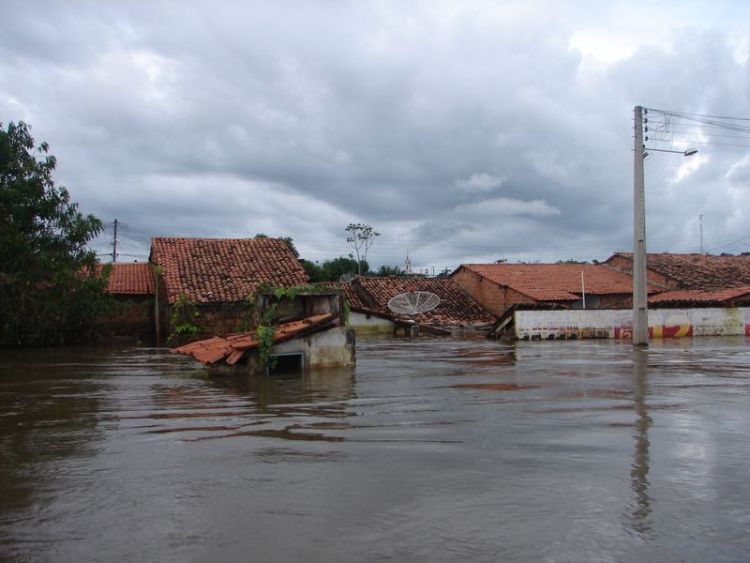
(51, 287)
(313, 271)
(332, 270)
(385, 271)
(289, 241)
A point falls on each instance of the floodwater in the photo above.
(436, 449)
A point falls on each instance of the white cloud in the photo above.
(480, 183)
(502, 207)
(235, 119)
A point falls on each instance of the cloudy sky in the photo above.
(463, 131)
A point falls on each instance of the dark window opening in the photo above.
(288, 363)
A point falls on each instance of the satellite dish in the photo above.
(347, 277)
(414, 302)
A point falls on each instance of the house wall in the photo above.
(334, 347)
(161, 310)
(303, 305)
(369, 324)
(615, 301)
(329, 348)
(491, 296)
(220, 318)
(662, 323)
(133, 318)
(214, 319)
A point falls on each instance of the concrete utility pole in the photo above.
(640, 300)
(640, 295)
(114, 244)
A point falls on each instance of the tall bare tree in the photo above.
(361, 237)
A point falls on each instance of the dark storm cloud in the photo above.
(461, 131)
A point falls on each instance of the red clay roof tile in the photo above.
(130, 279)
(224, 270)
(456, 308)
(698, 271)
(555, 282)
(700, 296)
(356, 303)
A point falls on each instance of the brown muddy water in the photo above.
(430, 450)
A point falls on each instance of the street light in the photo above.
(688, 152)
(640, 296)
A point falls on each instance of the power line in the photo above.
(668, 122)
(703, 133)
(738, 241)
(686, 114)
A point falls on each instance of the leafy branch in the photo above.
(183, 320)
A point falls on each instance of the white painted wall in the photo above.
(618, 323)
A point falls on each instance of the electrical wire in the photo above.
(668, 121)
(688, 114)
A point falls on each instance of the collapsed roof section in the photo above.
(233, 348)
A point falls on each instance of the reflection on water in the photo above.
(280, 406)
(48, 418)
(433, 449)
(640, 467)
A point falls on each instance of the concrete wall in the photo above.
(329, 348)
(490, 295)
(567, 324)
(369, 324)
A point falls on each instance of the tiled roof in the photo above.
(130, 279)
(456, 308)
(356, 303)
(224, 270)
(700, 296)
(699, 271)
(555, 282)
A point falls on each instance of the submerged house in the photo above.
(368, 299)
(704, 295)
(502, 287)
(689, 295)
(688, 271)
(550, 301)
(132, 287)
(297, 331)
(204, 284)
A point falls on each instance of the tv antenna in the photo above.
(413, 303)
